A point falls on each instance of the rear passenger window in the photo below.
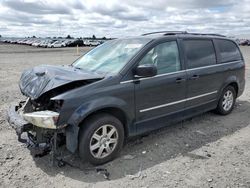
(199, 53)
(228, 51)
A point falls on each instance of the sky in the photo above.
(113, 18)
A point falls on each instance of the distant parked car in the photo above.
(23, 41)
(42, 43)
(45, 43)
(91, 43)
(86, 43)
(69, 41)
(13, 41)
(36, 43)
(29, 42)
(57, 44)
(75, 42)
(50, 43)
(18, 41)
(245, 43)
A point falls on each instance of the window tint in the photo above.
(164, 56)
(199, 53)
(228, 51)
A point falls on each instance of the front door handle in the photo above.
(195, 77)
(179, 80)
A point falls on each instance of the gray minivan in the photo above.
(127, 87)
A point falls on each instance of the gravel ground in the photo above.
(206, 151)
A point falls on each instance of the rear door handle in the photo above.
(179, 80)
(194, 77)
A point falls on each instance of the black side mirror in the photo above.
(147, 70)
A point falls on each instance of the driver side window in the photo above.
(164, 56)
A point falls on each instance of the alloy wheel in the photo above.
(228, 100)
(103, 141)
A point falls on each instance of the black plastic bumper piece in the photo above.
(18, 123)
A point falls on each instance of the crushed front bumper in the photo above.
(23, 121)
(37, 129)
(18, 123)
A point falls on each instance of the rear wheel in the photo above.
(227, 101)
(101, 139)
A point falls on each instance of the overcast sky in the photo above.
(115, 18)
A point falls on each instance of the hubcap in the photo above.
(227, 101)
(103, 141)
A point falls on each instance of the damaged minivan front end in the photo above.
(36, 128)
(36, 120)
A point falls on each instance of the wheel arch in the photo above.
(220, 109)
(231, 81)
(235, 86)
(114, 111)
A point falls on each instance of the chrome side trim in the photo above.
(176, 102)
(159, 75)
(128, 81)
(163, 105)
(203, 95)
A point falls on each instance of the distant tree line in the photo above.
(93, 37)
(70, 37)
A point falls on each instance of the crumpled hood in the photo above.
(38, 80)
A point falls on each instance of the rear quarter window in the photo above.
(228, 50)
(199, 53)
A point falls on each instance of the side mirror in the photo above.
(147, 70)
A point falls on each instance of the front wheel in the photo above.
(226, 101)
(100, 139)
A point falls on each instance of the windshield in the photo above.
(110, 57)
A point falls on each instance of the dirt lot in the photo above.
(206, 151)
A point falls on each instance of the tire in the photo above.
(92, 133)
(226, 101)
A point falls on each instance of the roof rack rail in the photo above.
(166, 32)
(181, 32)
(211, 34)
